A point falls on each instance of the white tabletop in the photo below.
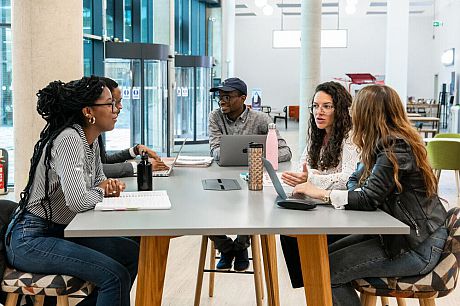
(196, 212)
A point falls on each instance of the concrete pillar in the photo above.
(228, 39)
(172, 85)
(47, 45)
(310, 64)
(397, 46)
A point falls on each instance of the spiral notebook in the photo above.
(137, 200)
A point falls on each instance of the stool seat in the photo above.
(15, 281)
(438, 283)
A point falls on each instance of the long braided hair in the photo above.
(60, 104)
(341, 126)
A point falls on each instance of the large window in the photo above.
(6, 97)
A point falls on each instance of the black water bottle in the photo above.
(144, 173)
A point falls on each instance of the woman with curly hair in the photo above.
(394, 176)
(66, 178)
(328, 160)
(330, 156)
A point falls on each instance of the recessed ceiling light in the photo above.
(260, 3)
(350, 9)
(267, 10)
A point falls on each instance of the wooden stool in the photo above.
(17, 283)
(255, 247)
(438, 283)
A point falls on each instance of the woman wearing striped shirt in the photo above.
(66, 178)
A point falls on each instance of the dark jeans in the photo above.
(225, 244)
(292, 257)
(360, 256)
(109, 263)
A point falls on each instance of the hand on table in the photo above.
(112, 187)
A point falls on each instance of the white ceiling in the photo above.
(331, 7)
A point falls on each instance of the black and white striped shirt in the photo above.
(76, 171)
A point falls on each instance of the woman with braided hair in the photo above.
(66, 178)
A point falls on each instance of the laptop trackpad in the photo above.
(297, 204)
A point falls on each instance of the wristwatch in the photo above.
(327, 197)
(136, 149)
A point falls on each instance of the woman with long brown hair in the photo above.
(394, 176)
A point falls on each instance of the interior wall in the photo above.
(447, 37)
(276, 71)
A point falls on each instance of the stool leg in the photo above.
(362, 298)
(385, 301)
(371, 300)
(63, 300)
(401, 301)
(11, 299)
(429, 302)
(212, 266)
(457, 178)
(39, 300)
(421, 302)
(255, 246)
(199, 278)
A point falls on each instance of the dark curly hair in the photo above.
(60, 104)
(341, 126)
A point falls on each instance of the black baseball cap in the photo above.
(232, 84)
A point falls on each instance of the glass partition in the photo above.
(193, 100)
(156, 102)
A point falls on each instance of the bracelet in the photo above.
(327, 198)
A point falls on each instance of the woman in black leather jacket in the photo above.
(395, 176)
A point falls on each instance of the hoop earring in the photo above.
(92, 120)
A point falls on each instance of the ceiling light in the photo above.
(267, 10)
(260, 3)
(350, 9)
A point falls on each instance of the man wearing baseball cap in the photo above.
(234, 118)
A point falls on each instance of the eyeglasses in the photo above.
(225, 98)
(113, 103)
(326, 108)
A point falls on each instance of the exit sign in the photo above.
(437, 23)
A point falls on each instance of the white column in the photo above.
(397, 46)
(162, 21)
(47, 45)
(228, 39)
(310, 66)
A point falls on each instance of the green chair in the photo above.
(444, 155)
(447, 135)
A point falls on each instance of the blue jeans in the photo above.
(109, 263)
(360, 256)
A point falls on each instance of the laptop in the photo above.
(232, 146)
(297, 202)
(166, 173)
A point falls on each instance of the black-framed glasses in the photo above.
(225, 98)
(113, 103)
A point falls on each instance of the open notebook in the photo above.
(136, 200)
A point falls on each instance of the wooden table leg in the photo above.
(151, 272)
(314, 258)
(268, 243)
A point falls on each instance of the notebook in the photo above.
(298, 202)
(165, 173)
(232, 146)
(137, 200)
